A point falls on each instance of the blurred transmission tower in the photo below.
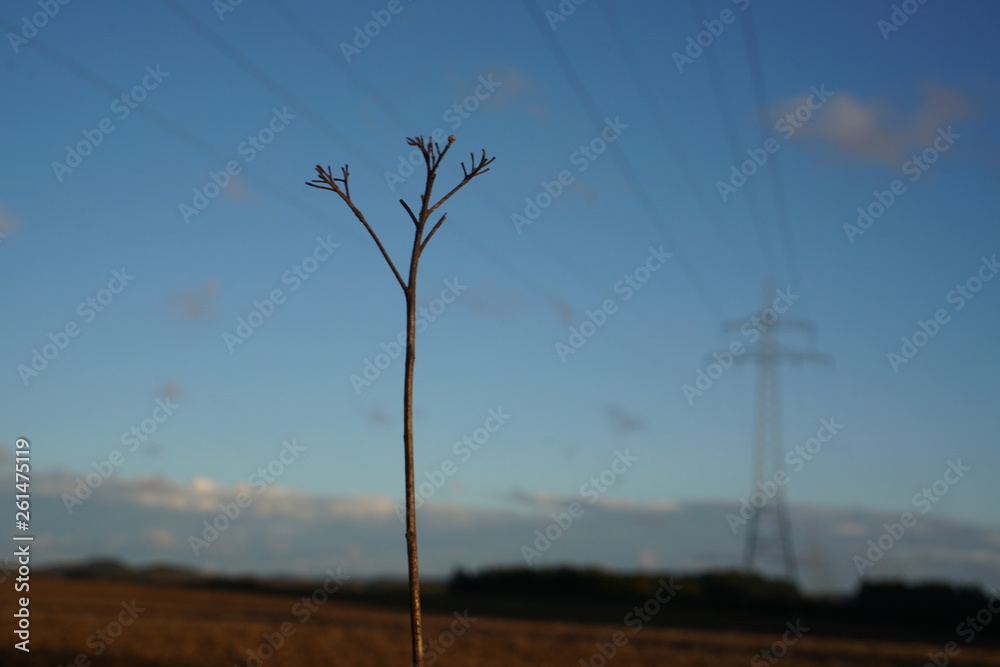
(768, 446)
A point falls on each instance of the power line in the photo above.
(320, 44)
(687, 170)
(646, 201)
(175, 130)
(398, 117)
(733, 141)
(774, 170)
(280, 91)
(205, 148)
(269, 82)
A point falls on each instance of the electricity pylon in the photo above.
(768, 444)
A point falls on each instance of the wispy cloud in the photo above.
(622, 421)
(514, 84)
(171, 389)
(203, 494)
(196, 304)
(378, 416)
(496, 300)
(563, 310)
(879, 131)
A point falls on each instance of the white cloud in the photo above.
(878, 131)
(287, 530)
(204, 495)
(549, 500)
(537, 499)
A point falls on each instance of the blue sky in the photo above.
(212, 84)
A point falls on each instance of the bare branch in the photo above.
(412, 217)
(419, 143)
(423, 244)
(347, 187)
(326, 177)
(433, 154)
(442, 153)
(471, 173)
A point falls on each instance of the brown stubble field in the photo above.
(195, 628)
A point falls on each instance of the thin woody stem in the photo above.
(433, 154)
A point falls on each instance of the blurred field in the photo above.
(198, 628)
